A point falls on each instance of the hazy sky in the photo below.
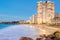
(20, 9)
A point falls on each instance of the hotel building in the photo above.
(44, 14)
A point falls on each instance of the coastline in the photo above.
(45, 28)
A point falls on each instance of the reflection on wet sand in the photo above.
(45, 29)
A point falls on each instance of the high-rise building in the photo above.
(45, 11)
(39, 12)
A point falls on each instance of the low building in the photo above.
(22, 22)
(32, 19)
(56, 19)
(57, 14)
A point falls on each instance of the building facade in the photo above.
(45, 12)
(57, 15)
(33, 19)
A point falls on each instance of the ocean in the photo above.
(15, 32)
(2, 26)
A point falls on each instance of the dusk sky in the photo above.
(20, 9)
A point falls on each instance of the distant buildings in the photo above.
(45, 12)
(57, 14)
(56, 19)
(22, 21)
(33, 19)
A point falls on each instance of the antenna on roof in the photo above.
(46, 1)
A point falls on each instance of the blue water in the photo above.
(4, 25)
(14, 32)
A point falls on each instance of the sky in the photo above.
(11, 10)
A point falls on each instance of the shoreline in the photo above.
(45, 28)
(43, 25)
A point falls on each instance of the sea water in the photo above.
(15, 32)
(2, 26)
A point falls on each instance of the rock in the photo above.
(25, 38)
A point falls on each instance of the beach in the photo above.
(14, 32)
